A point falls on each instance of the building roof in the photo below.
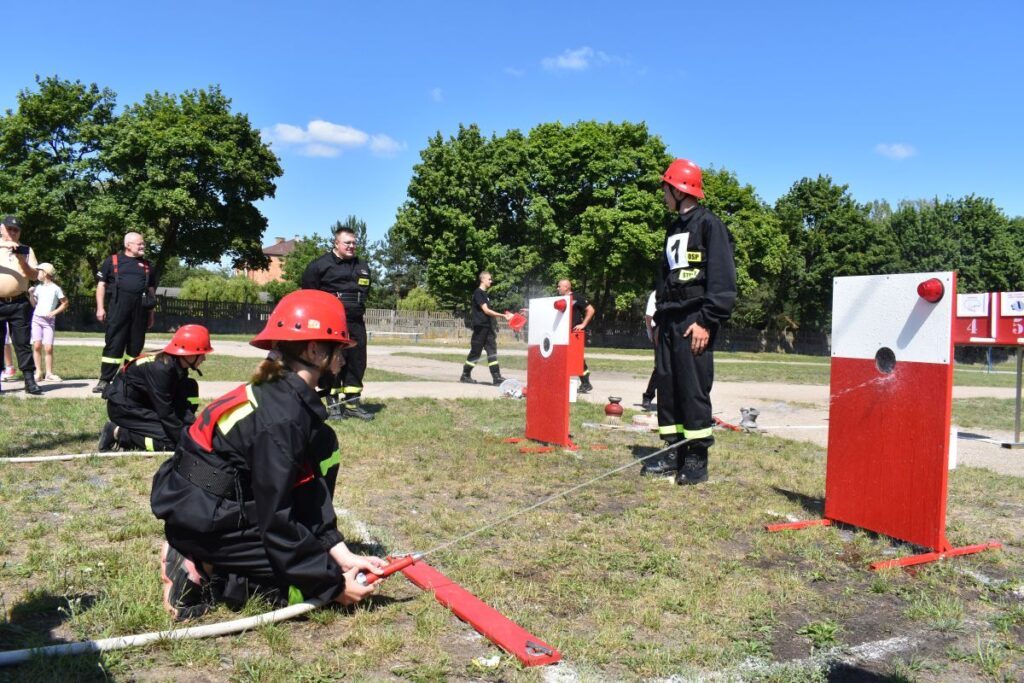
(282, 247)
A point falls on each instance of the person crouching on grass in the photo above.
(247, 498)
(49, 301)
(152, 397)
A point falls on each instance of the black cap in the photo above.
(11, 221)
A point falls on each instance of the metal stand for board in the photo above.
(1016, 443)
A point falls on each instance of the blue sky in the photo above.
(899, 100)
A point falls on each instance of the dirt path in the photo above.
(791, 411)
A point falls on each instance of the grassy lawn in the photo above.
(984, 413)
(631, 579)
(83, 362)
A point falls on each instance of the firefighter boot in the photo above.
(496, 377)
(353, 409)
(665, 465)
(466, 378)
(334, 408)
(694, 469)
(585, 386)
(30, 384)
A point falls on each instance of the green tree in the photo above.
(830, 236)
(305, 252)
(969, 235)
(400, 270)
(191, 172)
(761, 248)
(418, 300)
(212, 287)
(51, 174)
(576, 201)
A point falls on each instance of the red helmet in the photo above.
(305, 315)
(189, 340)
(684, 175)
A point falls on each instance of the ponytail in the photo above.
(273, 367)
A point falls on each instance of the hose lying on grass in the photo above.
(123, 642)
(82, 456)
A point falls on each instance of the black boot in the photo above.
(334, 408)
(30, 384)
(496, 377)
(108, 439)
(353, 409)
(664, 466)
(100, 386)
(585, 386)
(694, 469)
(466, 378)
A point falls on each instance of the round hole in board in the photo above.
(885, 360)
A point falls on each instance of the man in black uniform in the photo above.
(341, 273)
(582, 312)
(696, 293)
(132, 299)
(484, 335)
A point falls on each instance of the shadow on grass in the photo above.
(815, 506)
(851, 673)
(31, 622)
(47, 443)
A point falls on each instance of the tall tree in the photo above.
(51, 174)
(761, 248)
(970, 235)
(576, 201)
(191, 172)
(831, 235)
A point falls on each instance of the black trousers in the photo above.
(241, 566)
(350, 380)
(126, 332)
(141, 428)
(484, 339)
(684, 382)
(18, 315)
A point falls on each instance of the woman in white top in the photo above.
(49, 302)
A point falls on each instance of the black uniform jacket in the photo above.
(152, 383)
(272, 437)
(134, 274)
(705, 277)
(349, 279)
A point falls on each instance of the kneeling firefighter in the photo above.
(247, 498)
(152, 397)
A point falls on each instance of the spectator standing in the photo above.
(18, 267)
(128, 311)
(341, 273)
(49, 301)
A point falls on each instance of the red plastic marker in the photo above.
(394, 565)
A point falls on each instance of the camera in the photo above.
(22, 249)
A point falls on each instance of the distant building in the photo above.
(276, 252)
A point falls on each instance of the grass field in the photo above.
(631, 579)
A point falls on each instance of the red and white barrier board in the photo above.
(554, 354)
(889, 412)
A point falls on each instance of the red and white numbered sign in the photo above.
(989, 319)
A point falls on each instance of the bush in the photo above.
(418, 300)
(210, 287)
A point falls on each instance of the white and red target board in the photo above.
(554, 355)
(889, 410)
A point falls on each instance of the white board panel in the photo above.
(546, 321)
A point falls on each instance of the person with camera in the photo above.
(18, 266)
(130, 282)
(152, 397)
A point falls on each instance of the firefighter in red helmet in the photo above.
(247, 498)
(152, 397)
(695, 294)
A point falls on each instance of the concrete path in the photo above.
(792, 411)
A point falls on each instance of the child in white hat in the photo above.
(50, 301)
